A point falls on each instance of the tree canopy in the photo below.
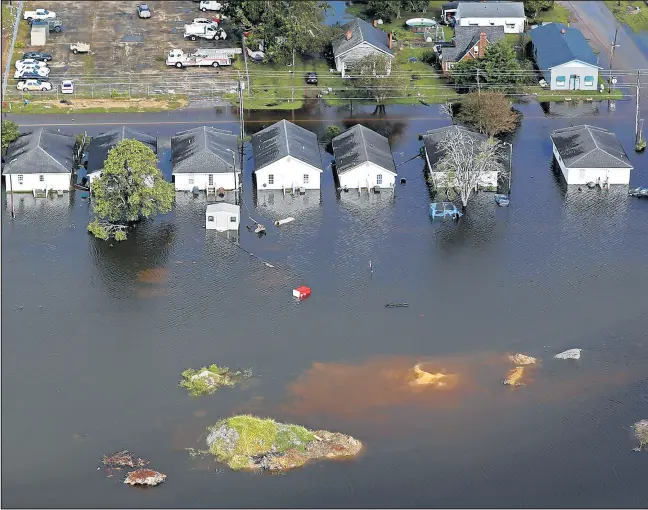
(130, 188)
(10, 132)
(489, 112)
(389, 10)
(533, 7)
(377, 76)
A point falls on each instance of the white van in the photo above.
(206, 5)
(67, 87)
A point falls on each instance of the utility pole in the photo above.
(13, 211)
(614, 45)
(478, 84)
(247, 72)
(637, 137)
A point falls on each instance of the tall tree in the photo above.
(467, 162)
(10, 132)
(533, 7)
(384, 10)
(489, 112)
(377, 76)
(130, 188)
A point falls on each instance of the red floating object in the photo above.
(302, 292)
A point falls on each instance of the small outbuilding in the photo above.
(363, 159)
(101, 145)
(286, 156)
(358, 40)
(509, 15)
(222, 217)
(40, 161)
(590, 154)
(39, 33)
(205, 158)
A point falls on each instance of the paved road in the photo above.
(598, 24)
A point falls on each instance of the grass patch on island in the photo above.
(208, 380)
(636, 20)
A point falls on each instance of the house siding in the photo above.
(585, 175)
(342, 62)
(470, 55)
(496, 22)
(226, 181)
(222, 221)
(288, 172)
(30, 182)
(574, 69)
(364, 176)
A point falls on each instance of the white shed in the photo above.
(222, 217)
(39, 33)
(590, 154)
(363, 159)
(509, 15)
(286, 156)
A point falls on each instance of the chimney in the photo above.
(391, 39)
(481, 51)
(349, 34)
(375, 23)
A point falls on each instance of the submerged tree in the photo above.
(130, 189)
(466, 162)
(376, 76)
(489, 112)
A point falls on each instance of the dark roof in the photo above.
(589, 147)
(283, 139)
(205, 149)
(466, 37)
(433, 138)
(41, 152)
(359, 145)
(490, 10)
(101, 145)
(553, 48)
(361, 31)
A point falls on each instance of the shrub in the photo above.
(429, 57)
(19, 45)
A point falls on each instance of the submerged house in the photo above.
(363, 159)
(205, 158)
(359, 40)
(564, 57)
(590, 154)
(286, 156)
(469, 43)
(433, 141)
(101, 145)
(40, 161)
(509, 15)
(222, 217)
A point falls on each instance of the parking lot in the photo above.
(127, 53)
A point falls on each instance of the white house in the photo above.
(509, 15)
(590, 154)
(206, 158)
(359, 40)
(363, 159)
(101, 145)
(433, 141)
(222, 217)
(286, 156)
(564, 57)
(41, 160)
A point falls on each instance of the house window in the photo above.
(210, 218)
(589, 81)
(270, 178)
(560, 81)
(379, 179)
(510, 26)
(473, 24)
(41, 178)
(20, 179)
(211, 179)
(191, 180)
(305, 178)
(232, 219)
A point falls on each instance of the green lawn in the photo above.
(557, 14)
(638, 21)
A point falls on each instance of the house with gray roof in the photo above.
(564, 57)
(359, 40)
(41, 160)
(205, 158)
(101, 145)
(469, 43)
(509, 15)
(286, 156)
(363, 159)
(590, 154)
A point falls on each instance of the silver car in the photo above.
(143, 11)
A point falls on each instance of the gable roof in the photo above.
(490, 10)
(283, 139)
(40, 152)
(466, 37)
(589, 147)
(553, 48)
(361, 31)
(223, 207)
(359, 145)
(204, 150)
(100, 145)
(432, 140)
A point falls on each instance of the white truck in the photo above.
(209, 31)
(39, 14)
(206, 5)
(209, 57)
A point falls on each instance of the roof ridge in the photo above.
(53, 158)
(364, 142)
(285, 129)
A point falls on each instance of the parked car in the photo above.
(210, 6)
(37, 55)
(54, 25)
(39, 14)
(67, 87)
(79, 47)
(34, 84)
(311, 78)
(30, 62)
(32, 72)
(143, 11)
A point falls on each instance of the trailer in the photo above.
(202, 57)
(209, 31)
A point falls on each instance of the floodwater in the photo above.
(96, 334)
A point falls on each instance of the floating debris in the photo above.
(514, 376)
(569, 354)
(438, 379)
(522, 359)
(208, 380)
(284, 221)
(396, 305)
(640, 430)
(123, 458)
(144, 477)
